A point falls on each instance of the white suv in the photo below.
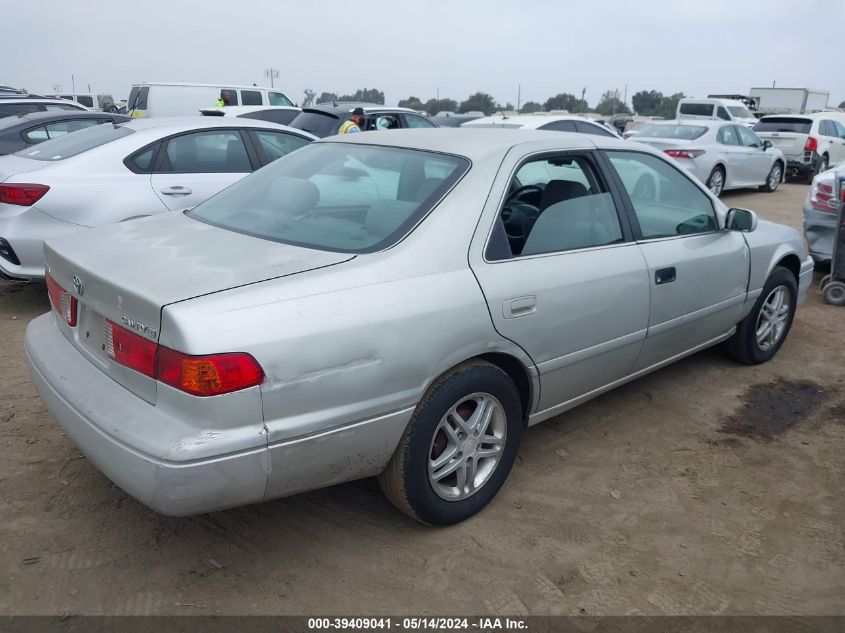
(809, 142)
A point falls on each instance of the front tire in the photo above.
(716, 181)
(761, 334)
(773, 179)
(458, 448)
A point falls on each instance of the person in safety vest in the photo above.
(223, 100)
(354, 122)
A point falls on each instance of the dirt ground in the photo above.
(705, 488)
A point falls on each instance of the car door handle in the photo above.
(521, 306)
(664, 276)
(176, 190)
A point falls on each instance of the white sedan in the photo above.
(113, 173)
(721, 154)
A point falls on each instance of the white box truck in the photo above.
(789, 100)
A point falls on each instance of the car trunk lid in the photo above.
(126, 273)
(664, 143)
(790, 143)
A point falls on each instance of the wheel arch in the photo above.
(520, 376)
(792, 263)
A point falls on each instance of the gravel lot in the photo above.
(704, 488)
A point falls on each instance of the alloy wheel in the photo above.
(716, 183)
(774, 177)
(773, 318)
(467, 446)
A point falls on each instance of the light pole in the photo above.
(272, 73)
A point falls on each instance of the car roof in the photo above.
(476, 143)
(13, 99)
(238, 110)
(222, 86)
(528, 121)
(171, 125)
(345, 107)
(37, 117)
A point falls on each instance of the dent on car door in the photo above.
(193, 167)
(562, 278)
(697, 273)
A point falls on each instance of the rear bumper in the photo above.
(802, 166)
(25, 233)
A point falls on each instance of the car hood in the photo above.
(11, 165)
(135, 268)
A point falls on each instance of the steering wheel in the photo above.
(515, 195)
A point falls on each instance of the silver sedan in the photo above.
(720, 154)
(117, 172)
(400, 305)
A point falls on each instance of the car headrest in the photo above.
(559, 190)
(293, 194)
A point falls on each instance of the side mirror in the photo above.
(766, 145)
(741, 220)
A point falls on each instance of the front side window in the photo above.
(666, 203)
(138, 98)
(251, 97)
(727, 135)
(278, 144)
(740, 112)
(278, 99)
(340, 197)
(840, 129)
(723, 114)
(747, 138)
(60, 106)
(86, 100)
(382, 122)
(556, 204)
(11, 109)
(215, 151)
(75, 144)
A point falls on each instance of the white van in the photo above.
(86, 99)
(719, 109)
(150, 99)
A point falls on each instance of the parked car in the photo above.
(721, 155)
(20, 132)
(358, 308)
(113, 173)
(11, 105)
(154, 99)
(84, 98)
(283, 115)
(821, 208)
(325, 119)
(556, 123)
(717, 109)
(810, 142)
(452, 120)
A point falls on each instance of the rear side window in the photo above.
(86, 101)
(277, 144)
(826, 128)
(280, 116)
(318, 123)
(217, 151)
(278, 99)
(61, 106)
(783, 124)
(665, 201)
(697, 109)
(11, 109)
(142, 162)
(590, 128)
(250, 97)
(75, 144)
(559, 126)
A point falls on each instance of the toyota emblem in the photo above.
(77, 285)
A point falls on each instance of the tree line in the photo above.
(645, 103)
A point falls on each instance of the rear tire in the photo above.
(414, 479)
(716, 181)
(834, 293)
(761, 334)
(773, 179)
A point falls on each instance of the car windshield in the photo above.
(784, 124)
(75, 143)
(740, 112)
(341, 197)
(687, 132)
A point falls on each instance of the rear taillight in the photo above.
(129, 349)
(684, 153)
(62, 300)
(822, 194)
(210, 375)
(24, 195)
(207, 375)
(811, 145)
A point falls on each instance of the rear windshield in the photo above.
(318, 123)
(783, 124)
(340, 197)
(687, 132)
(75, 143)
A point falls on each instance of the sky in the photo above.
(420, 47)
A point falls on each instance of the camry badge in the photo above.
(77, 285)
